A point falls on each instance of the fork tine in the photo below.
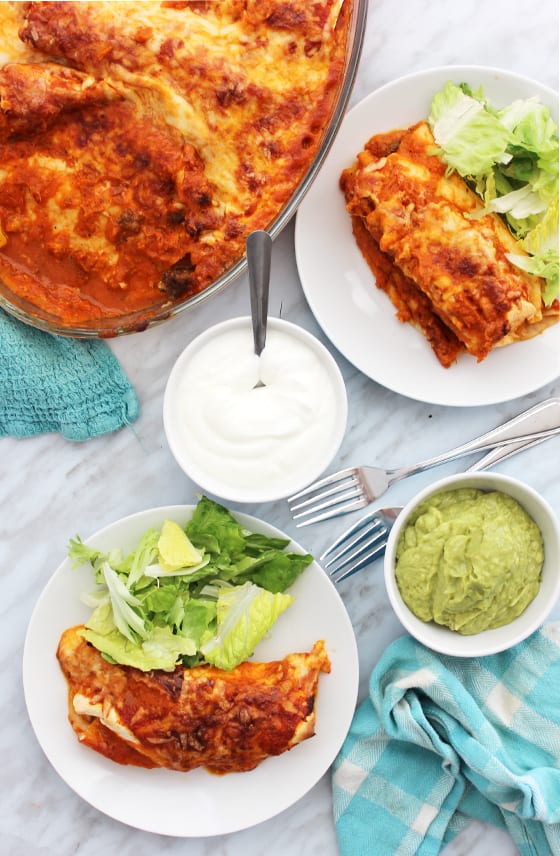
(362, 562)
(356, 546)
(333, 510)
(344, 493)
(360, 553)
(350, 485)
(334, 477)
(334, 501)
(371, 521)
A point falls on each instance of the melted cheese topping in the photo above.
(227, 721)
(159, 134)
(453, 277)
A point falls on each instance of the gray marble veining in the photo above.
(51, 488)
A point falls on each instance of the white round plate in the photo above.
(196, 803)
(359, 318)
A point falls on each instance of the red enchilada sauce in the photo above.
(104, 253)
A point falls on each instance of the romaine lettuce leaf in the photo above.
(127, 619)
(245, 614)
(545, 265)
(199, 620)
(213, 525)
(162, 600)
(161, 650)
(276, 571)
(137, 598)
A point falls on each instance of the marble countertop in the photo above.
(51, 488)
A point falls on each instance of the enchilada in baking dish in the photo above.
(140, 143)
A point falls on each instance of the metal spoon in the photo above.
(259, 249)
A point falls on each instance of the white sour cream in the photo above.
(247, 443)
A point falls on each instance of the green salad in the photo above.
(509, 157)
(207, 592)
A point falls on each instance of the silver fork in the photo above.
(355, 487)
(365, 541)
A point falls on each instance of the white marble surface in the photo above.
(50, 488)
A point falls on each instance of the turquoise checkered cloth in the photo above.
(442, 740)
(52, 383)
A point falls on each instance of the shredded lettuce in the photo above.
(509, 156)
(215, 611)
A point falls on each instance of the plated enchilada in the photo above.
(445, 270)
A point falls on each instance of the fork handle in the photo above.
(501, 453)
(539, 422)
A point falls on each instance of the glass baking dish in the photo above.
(147, 318)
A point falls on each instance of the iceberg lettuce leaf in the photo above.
(510, 159)
(471, 138)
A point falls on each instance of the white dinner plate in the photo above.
(195, 803)
(359, 318)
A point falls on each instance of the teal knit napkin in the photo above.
(442, 740)
(50, 383)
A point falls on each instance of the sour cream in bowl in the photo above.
(254, 444)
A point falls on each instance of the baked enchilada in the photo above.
(226, 721)
(141, 142)
(442, 261)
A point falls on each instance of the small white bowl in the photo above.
(446, 641)
(218, 427)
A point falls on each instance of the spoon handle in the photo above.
(259, 248)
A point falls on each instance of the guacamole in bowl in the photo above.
(472, 564)
(469, 559)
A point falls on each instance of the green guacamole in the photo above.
(469, 559)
